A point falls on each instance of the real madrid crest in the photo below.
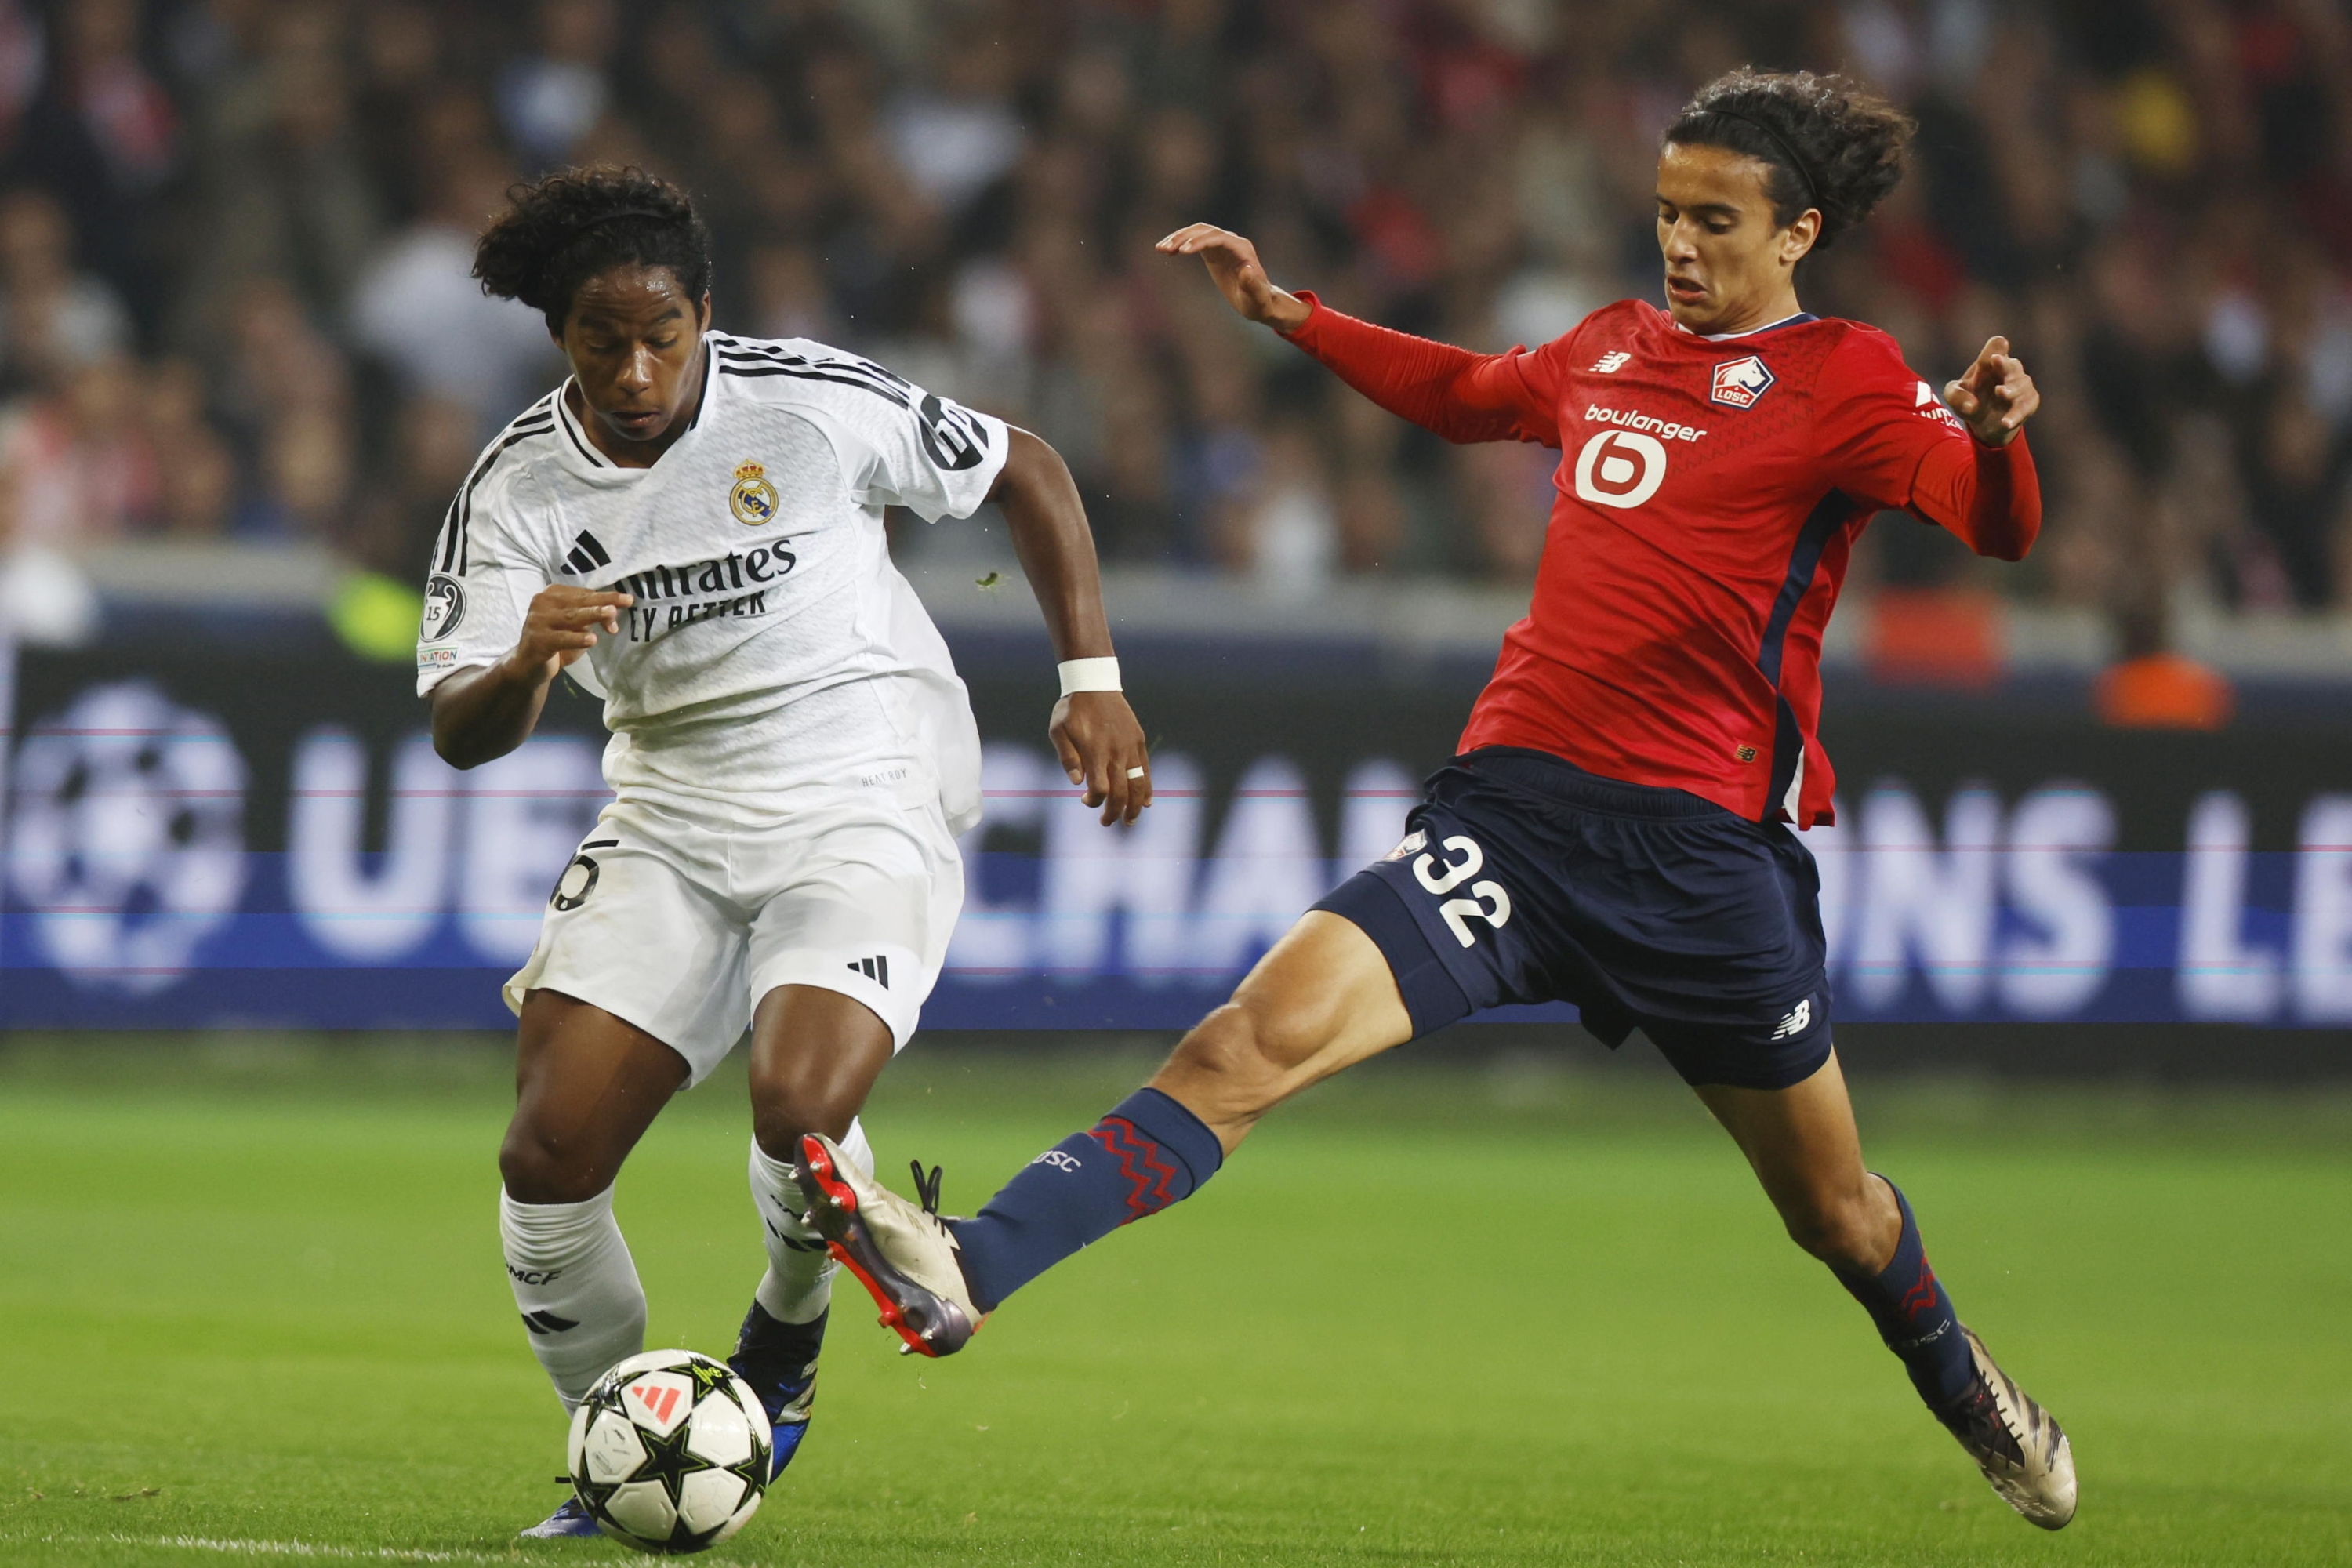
(753, 500)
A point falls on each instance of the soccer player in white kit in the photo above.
(692, 525)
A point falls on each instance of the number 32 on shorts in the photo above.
(1487, 901)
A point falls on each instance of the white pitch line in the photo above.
(281, 1549)
(300, 1548)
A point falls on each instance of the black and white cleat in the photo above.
(2015, 1443)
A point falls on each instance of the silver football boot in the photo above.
(903, 1253)
(2015, 1443)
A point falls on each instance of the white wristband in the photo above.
(1088, 674)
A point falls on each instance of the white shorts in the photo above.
(680, 928)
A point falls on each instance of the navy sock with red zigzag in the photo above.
(1146, 1154)
(1915, 1316)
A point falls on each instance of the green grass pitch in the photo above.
(251, 1309)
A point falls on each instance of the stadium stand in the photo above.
(234, 239)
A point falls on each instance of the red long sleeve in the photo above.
(1460, 395)
(1990, 497)
(1888, 443)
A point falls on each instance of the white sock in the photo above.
(576, 1287)
(799, 1282)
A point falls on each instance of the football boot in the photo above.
(903, 1253)
(2013, 1440)
(572, 1519)
(779, 1360)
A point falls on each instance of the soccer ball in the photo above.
(669, 1451)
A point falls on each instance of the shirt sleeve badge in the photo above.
(445, 607)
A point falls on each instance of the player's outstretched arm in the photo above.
(1094, 733)
(1240, 277)
(484, 713)
(1994, 397)
(1460, 395)
(1991, 495)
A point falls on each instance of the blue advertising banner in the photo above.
(250, 840)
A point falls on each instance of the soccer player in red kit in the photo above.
(1618, 829)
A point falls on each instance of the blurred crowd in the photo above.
(235, 236)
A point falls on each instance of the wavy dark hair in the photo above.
(1830, 142)
(562, 230)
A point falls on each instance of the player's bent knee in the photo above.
(784, 1109)
(1836, 1230)
(779, 1131)
(536, 1170)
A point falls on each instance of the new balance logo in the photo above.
(877, 969)
(1800, 1018)
(586, 555)
(1612, 363)
(546, 1323)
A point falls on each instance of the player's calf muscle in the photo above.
(1231, 1069)
(1321, 1001)
(1851, 1228)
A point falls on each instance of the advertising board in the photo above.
(247, 838)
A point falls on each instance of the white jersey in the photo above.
(774, 656)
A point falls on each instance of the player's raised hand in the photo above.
(563, 623)
(1102, 748)
(1239, 275)
(1994, 397)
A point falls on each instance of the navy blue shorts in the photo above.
(1525, 878)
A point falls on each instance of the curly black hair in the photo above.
(1830, 143)
(563, 228)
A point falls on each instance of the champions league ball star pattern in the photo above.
(669, 1452)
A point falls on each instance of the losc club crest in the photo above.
(1739, 382)
(753, 500)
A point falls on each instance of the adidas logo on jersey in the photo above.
(877, 969)
(587, 554)
(1611, 363)
(1800, 1018)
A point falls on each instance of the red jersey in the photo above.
(1709, 496)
